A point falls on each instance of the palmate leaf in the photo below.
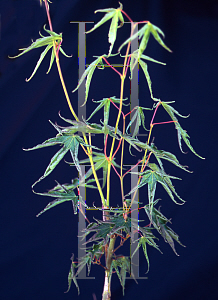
(100, 162)
(159, 222)
(88, 73)
(142, 242)
(182, 134)
(121, 265)
(85, 260)
(104, 229)
(139, 119)
(63, 193)
(105, 102)
(94, 251)
(152, 177)
(144, 34)
(71, 276)
(44, 41)
(116, 16)
(70, 142)
(135, 59)
(161, 154)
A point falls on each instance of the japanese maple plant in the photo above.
(105, 236)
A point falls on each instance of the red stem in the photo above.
(164, 122)
(127, 65)
(116, 170)
(151, 124)
(116, 106)
(48, 15)
(126, 15)
(130, 111)
(132, 167)
(111, 66)
(118, 147)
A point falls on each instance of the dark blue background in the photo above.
(35, 252)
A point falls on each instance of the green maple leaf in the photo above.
(88, 73)
(139, 118)
(71, 276)
(100, 162)
(105, 102)
(136, 59)
(116, 16)
(121, 265)
(159, 222)
(181, 133)
(144, 34)
(69, 141)
(63, 193)
(143, 241)
(151, 178)
(47, 41)
(104, 229)
(160, 154)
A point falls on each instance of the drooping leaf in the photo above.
(144, 34)
(71, 276)
(182, 134)
(142, 242)
(161, 154)
(69, 141)
(129, 139)
(137, 56)
(47, 41)
(139, 119)
(159, 221)
(116, 16)
(63, 193)
(121, 265)
(151, 177)
(88, 73)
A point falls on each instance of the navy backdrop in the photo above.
(35, 252)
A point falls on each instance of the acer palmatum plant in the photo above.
(116, 225)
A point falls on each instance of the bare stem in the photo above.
(107, 280)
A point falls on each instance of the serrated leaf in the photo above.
(115, 15)
(159, 221)
(69, 141)
(132, 142)
(63, 193)
(151, 177)
(44, 41)
(144, 33)
(88, 73)
(100, 162)
(136, 57)
(147, 76)
(116, 224)
(71, 276)
(139, 119)
(142, 242)
(181, 133)
(122, 262)
(105, 102)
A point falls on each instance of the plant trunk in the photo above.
(107, 279)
